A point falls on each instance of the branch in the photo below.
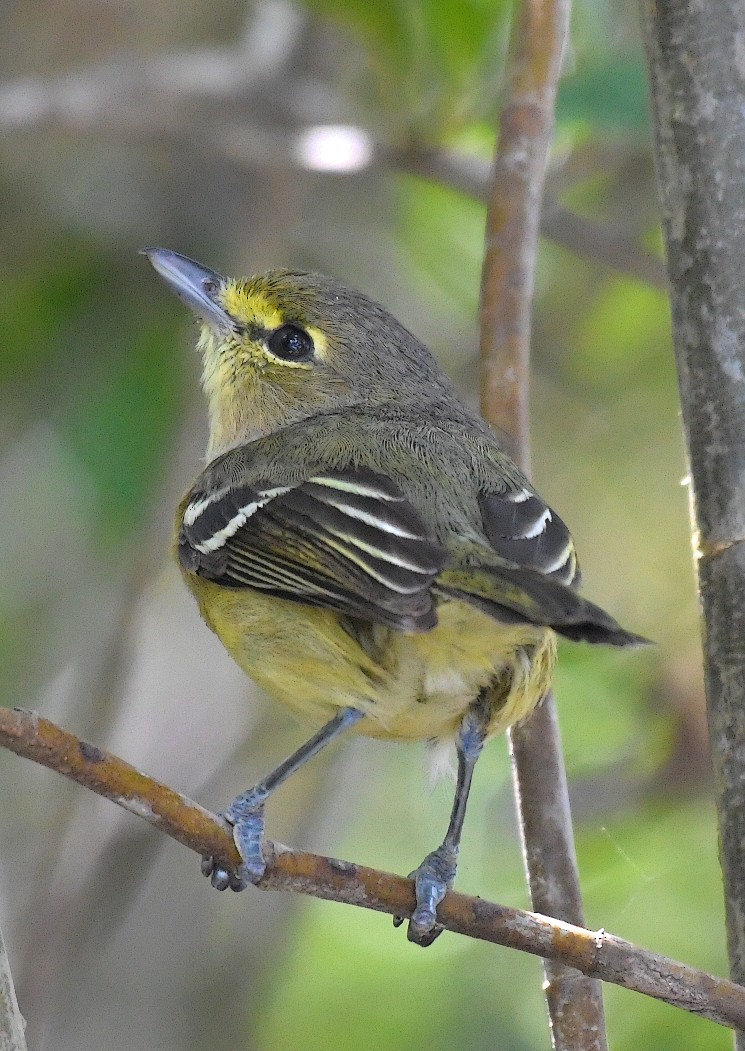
(698, 109)
(595, 953)
(540, 31)
(601, 242)
(12, 1026)
(512, 218)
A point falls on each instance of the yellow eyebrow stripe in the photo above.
(250, 309)
(253, 308)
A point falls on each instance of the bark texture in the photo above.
(696, 54)
(12, 1028)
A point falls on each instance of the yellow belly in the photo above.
(411, 687)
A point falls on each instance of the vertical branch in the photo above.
(539, 34)
(697, 75)
(12, 1036)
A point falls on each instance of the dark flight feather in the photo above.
(347, 540)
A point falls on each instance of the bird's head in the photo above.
(286, 345)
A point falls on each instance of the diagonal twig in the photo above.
(595, 953)
(602, 242)
(539, 34)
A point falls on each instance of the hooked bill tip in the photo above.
(167, 261)
(193, 283)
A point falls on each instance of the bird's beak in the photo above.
(193, 283)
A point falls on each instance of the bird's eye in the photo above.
(291, 343)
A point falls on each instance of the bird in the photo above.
(361, 542)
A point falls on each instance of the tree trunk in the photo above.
(696, 56)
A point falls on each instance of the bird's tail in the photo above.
(514, 594)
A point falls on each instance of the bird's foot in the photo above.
(246, 815)
(432, 880)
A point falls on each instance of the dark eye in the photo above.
(290, 343)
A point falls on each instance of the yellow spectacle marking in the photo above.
(253, 308)
(250, 308)
(320, 342)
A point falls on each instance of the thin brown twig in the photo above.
(540, 31)
(595, 953)
(513, 216)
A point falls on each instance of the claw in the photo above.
(424, 939)
(432, 880)
(222, 878)
(248, 833)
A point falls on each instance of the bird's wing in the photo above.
(348, 540)
(529, 571)
(524, 530)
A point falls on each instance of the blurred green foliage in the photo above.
(611, 96)
(432, 64)
(430, 217)
(96, 391)
(122, 451)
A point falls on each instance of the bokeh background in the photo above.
(196, 126)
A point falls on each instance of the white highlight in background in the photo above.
(334, 148)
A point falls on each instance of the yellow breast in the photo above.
(413, 687)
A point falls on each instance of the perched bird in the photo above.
(360, 543)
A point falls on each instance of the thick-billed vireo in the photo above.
(359, 541)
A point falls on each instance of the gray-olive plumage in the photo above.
(498, 546)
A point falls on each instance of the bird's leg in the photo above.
(246, 812)
(436, 874)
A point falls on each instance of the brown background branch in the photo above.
(601, 242)
(146, 102)
(540, 32)
(595, 953)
